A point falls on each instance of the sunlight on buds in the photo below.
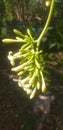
(28, 63)
(17, 54)
(28, 66)
(10, 57)
(29, 58)
(8, 40)
(29, 91)
(33, 93)
(38, 85)
(43, 84)
(32, 79)
(20, 67)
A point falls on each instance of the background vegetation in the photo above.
(23, 14)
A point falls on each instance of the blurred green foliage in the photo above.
(56, 40)
(22, 14)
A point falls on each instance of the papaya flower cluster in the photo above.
(30, 63)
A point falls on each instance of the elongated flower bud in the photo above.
(25, 79)
(8, 40)
(33, 93)
(12, 40)
(37, 64)
(18, 33)
(16, 54)
(27, 90)
(27, 86)
(43, 84)
(20, 67)
(38, 85)
(20, 39)
(32, 79)
(19, 82)
(29, 33)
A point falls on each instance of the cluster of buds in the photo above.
(29, 71)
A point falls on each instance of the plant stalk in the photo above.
(46, 24)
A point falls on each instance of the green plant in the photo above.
(31, 59)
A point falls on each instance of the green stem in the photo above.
(46, 24)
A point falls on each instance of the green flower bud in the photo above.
(38, 84)
(31, 81)
(9, 40)
(37, 63)
(19, 33)
(12, 40)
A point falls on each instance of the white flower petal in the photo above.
(11, 58)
